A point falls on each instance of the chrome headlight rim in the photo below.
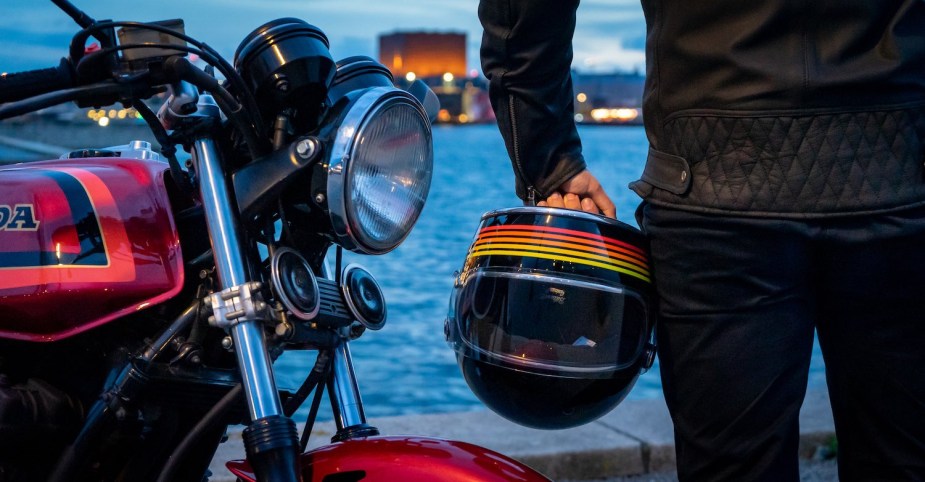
(351, 128)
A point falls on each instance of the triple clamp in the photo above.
(236, 305)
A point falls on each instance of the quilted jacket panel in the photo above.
(802, 165)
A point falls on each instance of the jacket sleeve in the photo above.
(526, 55)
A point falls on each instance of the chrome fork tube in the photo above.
(344, 392)
(222, 223)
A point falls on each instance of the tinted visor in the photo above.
(546, 324)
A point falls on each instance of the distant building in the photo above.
(423, 54)
(439, 59)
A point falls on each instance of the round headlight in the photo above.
(380, 170)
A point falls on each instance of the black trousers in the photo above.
(740, 299)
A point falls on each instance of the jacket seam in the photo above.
(658, 55)
(515, 147)
(515, 141)
(791, 112)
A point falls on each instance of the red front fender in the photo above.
(406, 459)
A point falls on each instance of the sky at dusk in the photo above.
(610, 34)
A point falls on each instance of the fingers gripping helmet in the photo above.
(550, 316)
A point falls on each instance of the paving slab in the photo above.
(635, 438)
(649, 423)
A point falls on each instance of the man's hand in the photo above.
(584, 193)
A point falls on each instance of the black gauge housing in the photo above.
(287, 65)
(356, 73)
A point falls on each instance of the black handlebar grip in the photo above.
(22, 85)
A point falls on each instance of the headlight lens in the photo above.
(380, 170)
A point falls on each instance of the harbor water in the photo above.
(407, 367)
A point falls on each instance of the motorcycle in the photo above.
(143, 300)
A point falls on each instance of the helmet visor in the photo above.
(547, 324)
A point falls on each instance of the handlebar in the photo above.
(21, 85)
(102, 93)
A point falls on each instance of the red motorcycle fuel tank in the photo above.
(83, 242)
(405, 459)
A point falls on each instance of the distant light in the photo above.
(473, 73)
(103, 121)
(626, 114)
(463, 118)
(111, 114)
(443, 115)
(447, 77)
(91, 114)
(581, 97)
(579, 118)
(121, 113)
(410, 76)
(619, 115)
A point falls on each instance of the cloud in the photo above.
(610, 32)
(610, 35)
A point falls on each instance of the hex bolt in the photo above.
(319, 198)
(305, 148)
(227, 343)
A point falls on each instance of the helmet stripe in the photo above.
(533, 254)
(570, 232)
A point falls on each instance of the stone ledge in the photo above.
(636, 438)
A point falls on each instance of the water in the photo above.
(12, 154)
(407, 367)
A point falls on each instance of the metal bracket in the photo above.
(236, 304)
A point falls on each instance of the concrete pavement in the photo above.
(634, 439)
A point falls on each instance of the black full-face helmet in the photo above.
(551, 315)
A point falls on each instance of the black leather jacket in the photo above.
(766, 107)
